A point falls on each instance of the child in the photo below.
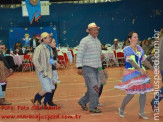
(55, 79)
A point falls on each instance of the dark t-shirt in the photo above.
(55, 57)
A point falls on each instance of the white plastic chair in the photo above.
(107, 45)
(110, 57)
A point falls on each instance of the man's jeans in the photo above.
(91, 76)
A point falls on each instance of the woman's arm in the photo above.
(136, 66)
(147, 64)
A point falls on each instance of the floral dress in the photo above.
(4, 72)
(133, 81)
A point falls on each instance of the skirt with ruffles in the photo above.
(133, 82)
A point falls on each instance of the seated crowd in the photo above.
(147, 45)
(19, 55)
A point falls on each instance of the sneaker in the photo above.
(121, 113)
(84, 107)
(99, 105)
(95, 110)
(141, 115)
(4, 102)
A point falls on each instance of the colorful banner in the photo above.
(34, 11)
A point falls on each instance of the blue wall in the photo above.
(71, 20)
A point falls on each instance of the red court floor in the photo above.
(22, 86)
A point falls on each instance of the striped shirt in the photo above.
(89, 52)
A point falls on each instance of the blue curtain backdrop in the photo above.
(116, 20)
(16, 34)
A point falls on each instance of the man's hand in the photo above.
(102, 57)
(10, 70)
(80, 72)
(57, 65)
(53, 82)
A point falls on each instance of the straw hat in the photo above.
(92, 25)
(44, 35)
(115, 40)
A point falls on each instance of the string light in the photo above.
(13, 6)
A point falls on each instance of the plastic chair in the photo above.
(61, 60)
(107, 45)
(120, 56)
(111, 57)
(27, 63)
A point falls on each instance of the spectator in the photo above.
(126, 43)
(116, 46)
(146, 47)
(34, 42)
(103, 47)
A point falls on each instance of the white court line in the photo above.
(97, 114)
(62, 84)
(35, 86)
(67, 99)
(77, 98)
(70, 84)
(21, 87)
(68, 75)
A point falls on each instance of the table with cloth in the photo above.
(18, 59)
(109, 55)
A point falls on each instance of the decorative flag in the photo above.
(34, 9)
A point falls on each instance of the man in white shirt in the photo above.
(88, 62)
